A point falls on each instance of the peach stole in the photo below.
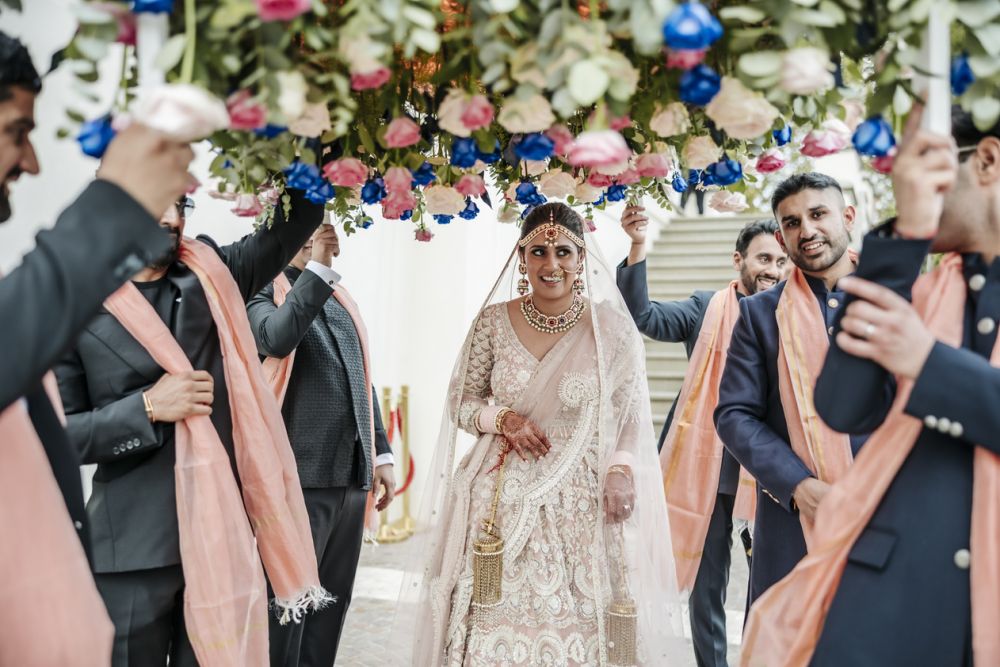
(802, 346)
(225, 597)
(692, 451)
(50, 610)
(279, 371)
(785, 624)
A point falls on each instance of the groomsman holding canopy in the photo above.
(701, 478)
(311, 329)
(165, 393)
(765, 414)
(921, 504)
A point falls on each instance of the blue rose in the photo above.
(678, 183)
(373, 191)
(301, 176)
(490, 158)
(961, 75)
(617, 192)
(424, 175)
(442, 219)
(270, 131)
(152, 6)
(321, 192)
(366, 223)
(691, 27)
(526, 193)
(599, 201)
(470, 211)
(699, 85)
(95, 135)
(782, 136)
(874, 137)
(695, 176)
(534, 146)
(724, 172)
(464, 152)
(406, 215)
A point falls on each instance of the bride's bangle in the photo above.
(498, 420)
(621, 469)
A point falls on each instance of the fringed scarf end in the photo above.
(313, 598)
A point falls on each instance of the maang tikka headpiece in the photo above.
(550, 231)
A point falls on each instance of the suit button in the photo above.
(116, 451)
(986, 326)
(956, 430)
(833, 303)
(829, 331)
(930, 421)
(962, 559)
(977, 282)
(78, 525)
(944, 425)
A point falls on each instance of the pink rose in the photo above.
(832, 137)
(346, 172)
(282, 10)
(598, 148)
(771, 161)
(443, 200)
(478, 113)
(653, 165)
(244, 112)
(586, 193)
(591, 227)
(628, 177)
(397, 203)
(398, 179)
(620, 123)
(728, 202)
(423, 234)
(183, 111)
(699, 152)
(599, 180)
(883, 164)
(247, 206)
(740, 112)
(561, 137)
(369, 80)
(314, 121)
(269, 196)
(685, 58)
(471, 185)
(124, 18)
(401, 132)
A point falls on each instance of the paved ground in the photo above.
(366, 636)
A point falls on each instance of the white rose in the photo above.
(361, 54)
(671, 120)
(699, 152)
(536, 167)
(587, 82)
(182, 111)
(586, 193)
(449, 114)
(740, 112)
(313, 122)
(443, 200)
(806, 71)
(531, 115)
(292, 90)
(557, 184)
(728, 202)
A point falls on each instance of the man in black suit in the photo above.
(327, 409)
(97, 243)
(761, 263)
(912, 561)
(815, 224)
(108, 380)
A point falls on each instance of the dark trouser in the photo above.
(699, 195)
(147, 609)
(707, 605)
(337, 518)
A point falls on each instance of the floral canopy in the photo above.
(410, 107)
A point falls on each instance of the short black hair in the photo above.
(965, 132)
(16, 68)
(561, 215)
(793, 185)
(751, 231)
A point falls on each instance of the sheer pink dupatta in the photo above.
(50, 610)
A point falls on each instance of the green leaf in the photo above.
(814, 17)
(989, 37)
(976, 13)
(366, 138)
(742, 13)
(985, 112)
(231, 15)
(91, 48)
(761, 63)
(171, 53)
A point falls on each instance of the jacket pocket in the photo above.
(873, 548)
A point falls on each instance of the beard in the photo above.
(5, 210)
(757, 283)
(831, 254)
(170, 256)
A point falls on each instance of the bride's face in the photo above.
(552, 268)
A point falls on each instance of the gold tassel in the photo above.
(487, 551)
(622, 619)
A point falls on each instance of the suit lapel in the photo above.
(107, 329)
(194, 317)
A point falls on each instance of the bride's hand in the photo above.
(619, 494)
(524, 436)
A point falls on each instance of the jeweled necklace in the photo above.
(551, 324)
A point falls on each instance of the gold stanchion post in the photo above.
(406, 523)
(385, 532)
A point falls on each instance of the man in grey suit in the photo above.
(761, 264)
(106, 235)
(326, 411)
(105, 382)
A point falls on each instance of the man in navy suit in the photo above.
(761, 264)
(815, 224)
(912, 560)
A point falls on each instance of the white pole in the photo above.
(151, 34)
(935, 58)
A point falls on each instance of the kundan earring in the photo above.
(522, 284)
(578, 282)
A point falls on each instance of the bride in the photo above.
(549, 542)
